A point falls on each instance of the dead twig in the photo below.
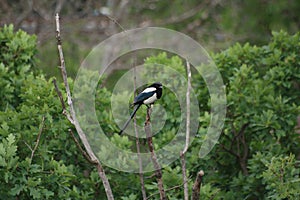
(156, 165)
(238, 139)
(38, 138)
(197, 186)
(80, 148)
(71, 116)
(187, 135)
(137, 142)
(169, 189)
(59, 94)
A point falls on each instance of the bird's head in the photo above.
(157, 85)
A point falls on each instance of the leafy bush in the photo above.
(257, 155)
(54, 169)
(262, 94)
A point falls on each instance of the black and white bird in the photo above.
(148, 96)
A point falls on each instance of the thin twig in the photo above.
(80, 148)
(151, 176)
(169, 189)
(62, 64)
(238, 139)
(138, 146)
(38, 138)
(27, 145)
(65, 112)
(184, 176)
(188, 107)
(72, 116)
(187, 135)
(186, 15)
(156, 165)
(197, 185)
(59, 94)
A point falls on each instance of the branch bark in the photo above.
(166, 190)
(197, 186)
(38, 139)
(185, 183)
(241, 154)
(72, 116)
(187, 135)
(138, 146)
(156, 165)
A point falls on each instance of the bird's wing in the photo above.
(149, 89)
(143, 95)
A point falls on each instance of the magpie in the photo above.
(148, 96)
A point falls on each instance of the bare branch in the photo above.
(65, 112)
(62, 64)
(229, 150)
(38, 138)
(185, 183)
(29, 147)
(73, 119)
(188, 107)
(239, 139)
(187, 135)
(168, 189)
(197, 186)
(59, 94)
(138, 146)
(157, 168)
(80, 148)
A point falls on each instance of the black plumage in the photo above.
(148, 96)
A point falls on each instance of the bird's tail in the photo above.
(131, 116)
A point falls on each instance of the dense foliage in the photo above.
(257, 156)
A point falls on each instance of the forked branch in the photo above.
(70, 114)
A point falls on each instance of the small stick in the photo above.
(138, 150)
(38, 138)
(187, 135)
(80, 148)
(157, 168)
(168, 189)
(197, 186)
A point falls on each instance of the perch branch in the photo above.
(137, 141)
(157, 168)
(72, 115)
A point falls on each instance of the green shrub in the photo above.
(262, 86)
(55, 169)
(256, 156)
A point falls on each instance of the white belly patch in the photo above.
(151, 99)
